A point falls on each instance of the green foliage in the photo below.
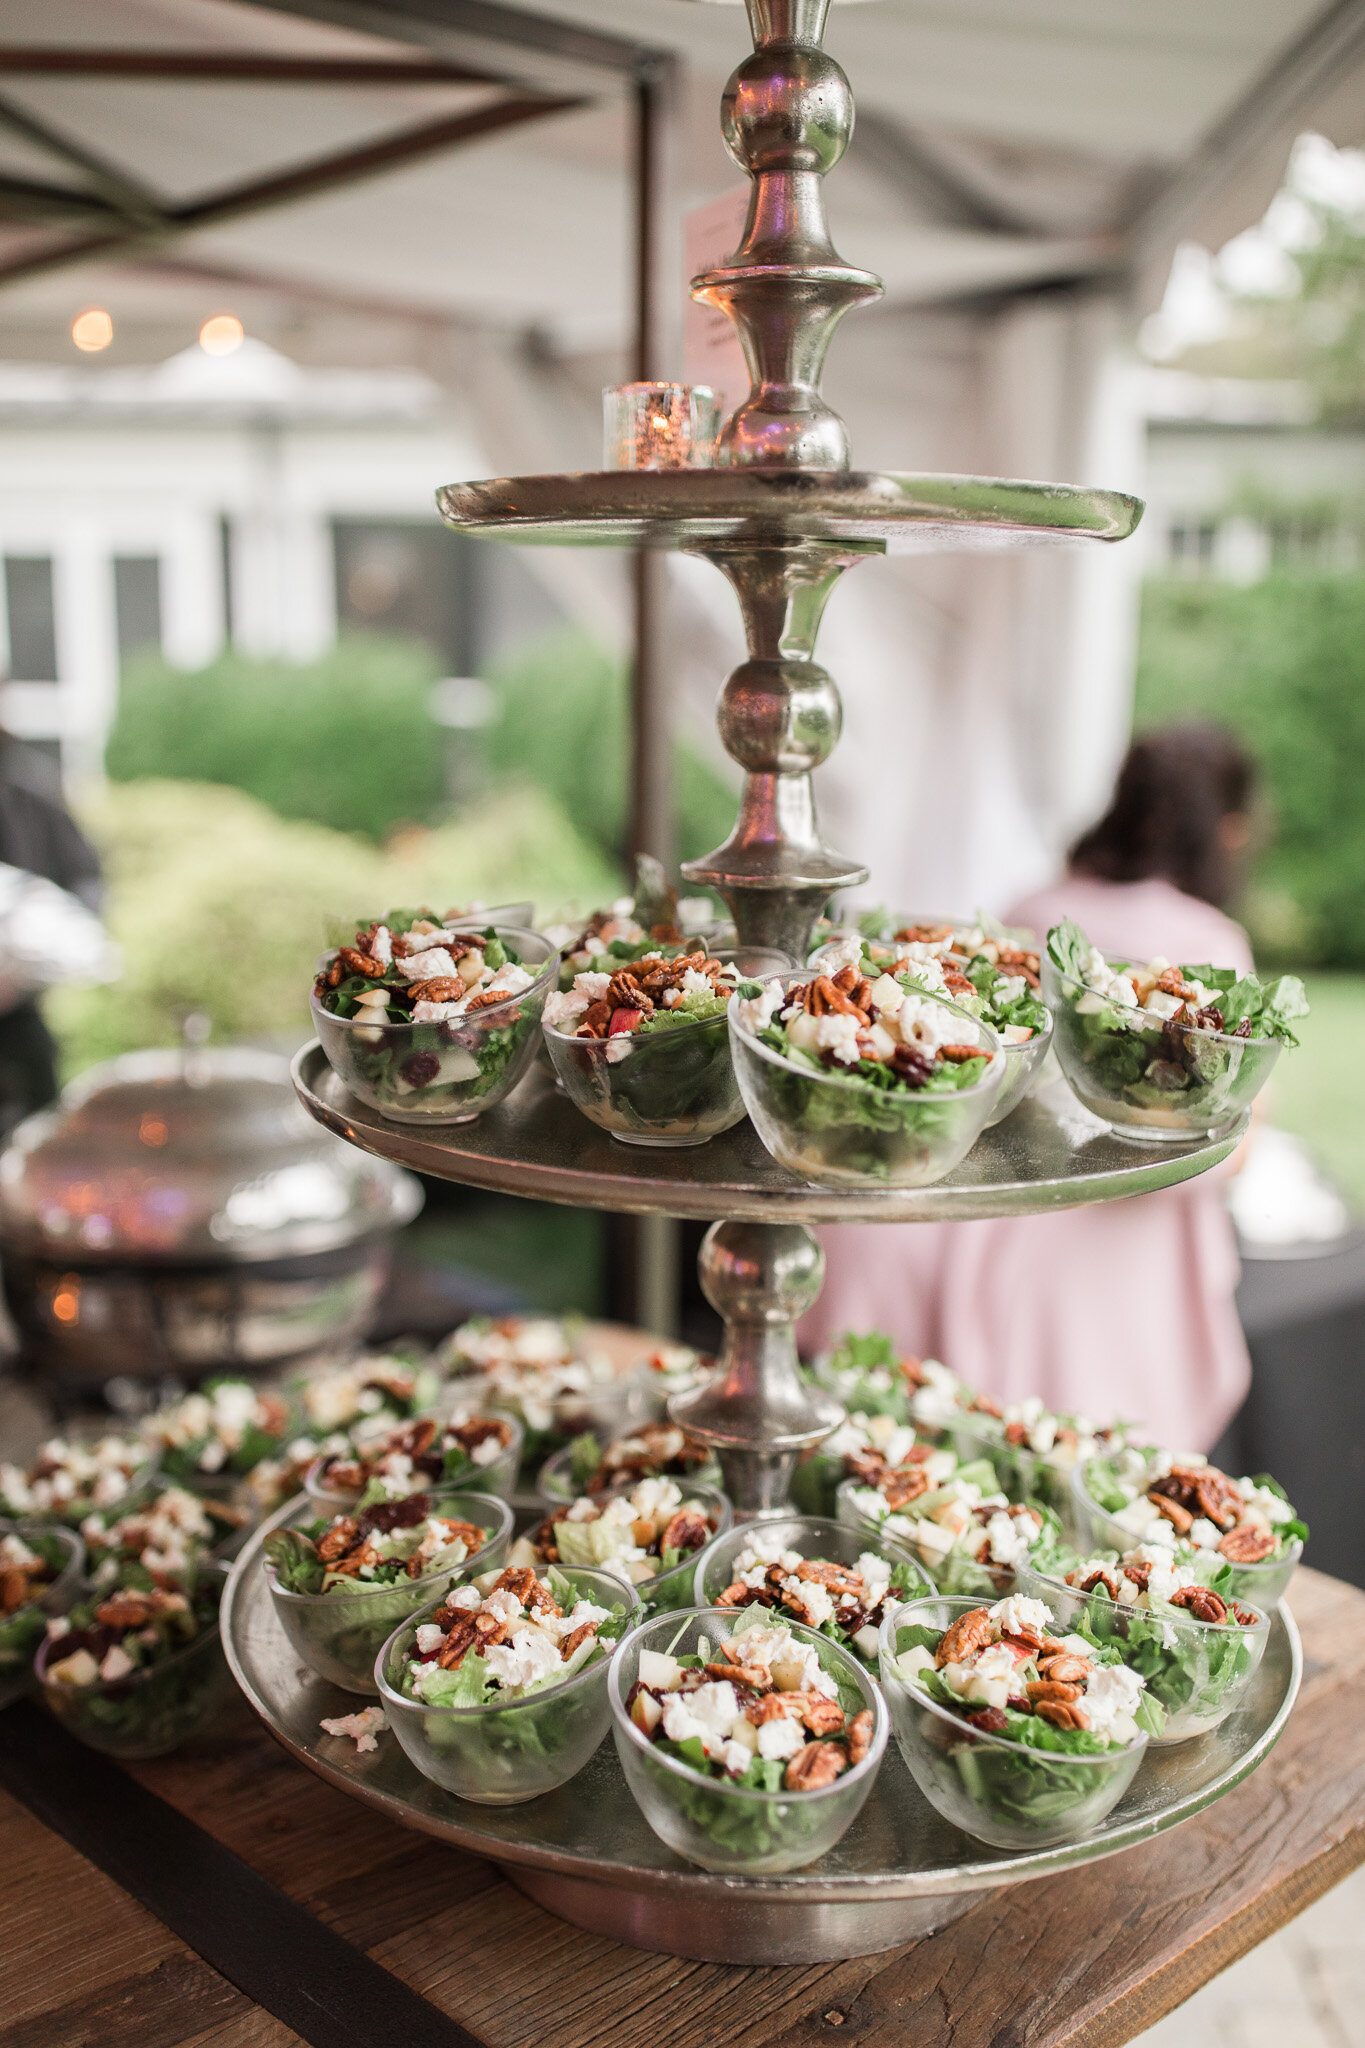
(1283, 664)
(1318, 331)
(346, 740)
(562, 723)
(222, 907)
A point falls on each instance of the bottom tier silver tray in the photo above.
(585, 1853)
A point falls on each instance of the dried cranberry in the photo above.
(991, 1720)
(395, 1514)
(419, 1068)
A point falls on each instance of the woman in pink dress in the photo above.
(1122, 1308)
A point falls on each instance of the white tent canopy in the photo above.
(1022, 171)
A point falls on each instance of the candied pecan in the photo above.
(469, 1435)
(665, 934)
(1139, 1574)
(960, 1054)
(444, 988)
(13, 1590)
(126, 1610)
(821, 1716)
(519, 1580)
(835, 1000)
(740, 1595)
(923, 934)
(462, 1635)
(991, 1720)
(815, 1766)
(1211, 1018)
(577, 1636)
(899, 1488)
(868, 1465)
(846, 980)
(1041, 1690)
(1246, 1546)
(360, 963)
(1203, 1605)
(1172, 982)
(688, 1530)
(751, 1675)
(775, 1706)
(1016, 1433)
(594, 1021)
(1103, 1577)
(838, 1577)
(964, 1637)
(1180, 1519)
(625, 993)
(338, 1539)
(1062, 1714)
(1244, 1615)
(1062, 1668)
(488, 999)
(858, 1735)
(420, 1068)
(985, 1404)
(490, 1629)
(861, 994)
(957, 983)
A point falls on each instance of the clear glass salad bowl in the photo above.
(1024, 1474)
(503, 1755)
(1164, 1083)
(605, 1408)
(557, 1486)
(22, 1631)
(996, 1790)
(953, 1571)
(71, 1514)
(673, 1588)
(670, 1087)
(712, 1821)
(448, 1072)
(813, 1536)
(1198, 1671)
(157, 1708)
(339, 1634)
(838, 1131)
(1262, 1585)
(498, 1478)
(1021, 1062)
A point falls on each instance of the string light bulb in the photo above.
(92, 330)
(221, 334)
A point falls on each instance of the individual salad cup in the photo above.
(851, 1082)
(431, 1023)
(341, 1585)
(1164, 1052)
(376, 1387)
(1017, 1733)
(499, 1692)
(862, 1447)
(545, 1372)
(138, 1670)
(483, 1452)
(749, 1742)
(172, 1534)
(212, 1440)
(645, 1052)
(652, 920)
(670, 1369)
(990, 976)
(1034, 1451)
(1196, 1651)
(648, 1535)
(41, 1567)
(868, 1371)
(952, 1519)
(71, 1477)
(809, 1570)
(1144, 1495)
(657, 1450)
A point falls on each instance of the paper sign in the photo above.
(711, 351)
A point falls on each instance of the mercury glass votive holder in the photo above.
(659, 426)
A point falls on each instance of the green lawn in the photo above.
(1318, 1092)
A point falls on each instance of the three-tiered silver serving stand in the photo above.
(783, 516)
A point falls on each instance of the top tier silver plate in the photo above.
(689, 508)
(1049, 1154)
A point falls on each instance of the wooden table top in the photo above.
(1086, 1959)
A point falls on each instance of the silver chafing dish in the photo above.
(178, 1213)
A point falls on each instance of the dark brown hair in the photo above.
(1174, 790)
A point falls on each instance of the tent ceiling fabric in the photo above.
(1002, 143)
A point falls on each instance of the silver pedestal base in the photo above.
(739, 1930)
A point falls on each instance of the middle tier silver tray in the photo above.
(1048, 1154)
(585, 1853)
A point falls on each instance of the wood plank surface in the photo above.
(1085, 1960)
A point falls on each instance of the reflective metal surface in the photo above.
(189, 1158)
(586, 1853)
(678, 508)
(1048, 1154)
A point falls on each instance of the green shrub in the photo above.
(222, 907)
(562, 723)
(1282, 663)
(346, 740)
